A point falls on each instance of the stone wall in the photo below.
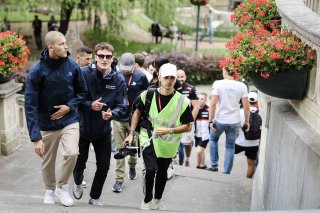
(288, 175)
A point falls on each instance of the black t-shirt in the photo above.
(162, 102)
(189, 91)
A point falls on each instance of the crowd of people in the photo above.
(97, 100)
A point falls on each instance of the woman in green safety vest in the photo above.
(170, 115)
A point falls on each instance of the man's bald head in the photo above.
(51, 37)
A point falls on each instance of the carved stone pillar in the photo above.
(10, 131)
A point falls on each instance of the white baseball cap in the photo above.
(168, 70)
(253, 97)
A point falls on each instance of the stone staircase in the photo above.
(190, 190)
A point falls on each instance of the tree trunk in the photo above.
(66, 11)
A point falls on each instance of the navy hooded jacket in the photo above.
(52, 82)
(112, 89)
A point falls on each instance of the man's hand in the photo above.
(246, 126)
(162, 131)
(212, 126)
(63, 110)
(107, 115)
(39, 148)
(128, 140)
(97, 105)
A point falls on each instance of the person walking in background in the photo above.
(139, 65)
(5, 25)
(224, 116)
(136, 82)
(173, 29)
(187, 138)
(106, 101)
(84, 56)
(208, 27)
(202, 130)
(52, 96)
(169, 116)
(37, 26)
(248, 141)
(52, 24)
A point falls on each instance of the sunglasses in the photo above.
(101, 56)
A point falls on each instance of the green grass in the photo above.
(139, 20)
(121, 45)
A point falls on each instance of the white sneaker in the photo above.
(147, 206)
(48, 197)
(64, 196)
(158, 204)
(95, 202)
(170, 173)
(77, 191)
(84, 184)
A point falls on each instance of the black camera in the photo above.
(127, 150)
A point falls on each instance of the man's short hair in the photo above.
(139, 59)
(103, 46)
(203, 93)
(83, 49)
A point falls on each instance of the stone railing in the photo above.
(288, 174)
(314, 5)
(305, 24)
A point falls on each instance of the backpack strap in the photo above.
(149, 96)
(147, 105)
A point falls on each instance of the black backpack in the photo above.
(255, 122)
(143, 120)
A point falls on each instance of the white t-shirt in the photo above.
(148, 74)
(241, 140)
(230, 93)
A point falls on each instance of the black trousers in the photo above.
(156, 173)
(102, 149)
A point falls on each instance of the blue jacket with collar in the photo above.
(112, 89)
(52, 82)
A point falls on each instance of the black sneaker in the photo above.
(213, 169)
(117, 187)
(128, 150)
(132, 174)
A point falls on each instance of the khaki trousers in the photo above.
(68, 137)
(120, 132)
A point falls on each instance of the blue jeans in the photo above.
(232, 131)
(209, 32)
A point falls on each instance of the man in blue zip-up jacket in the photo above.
(55, 86)
(107, 100)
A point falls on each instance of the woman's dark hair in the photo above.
(158, 62)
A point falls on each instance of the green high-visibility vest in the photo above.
(165, 146)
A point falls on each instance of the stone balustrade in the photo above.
(288, 174)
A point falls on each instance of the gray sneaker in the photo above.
(147, 206)
(95, 202)
(117, 187)
(77, 191)
(132, 174)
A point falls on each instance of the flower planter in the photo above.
(199, 2)
(6, 79)
(287, 85)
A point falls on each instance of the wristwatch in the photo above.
(131, 132)
(171, 132)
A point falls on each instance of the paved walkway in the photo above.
(190, 190)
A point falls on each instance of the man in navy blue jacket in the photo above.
(136, 81)
(55, 86)
(107, 100)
